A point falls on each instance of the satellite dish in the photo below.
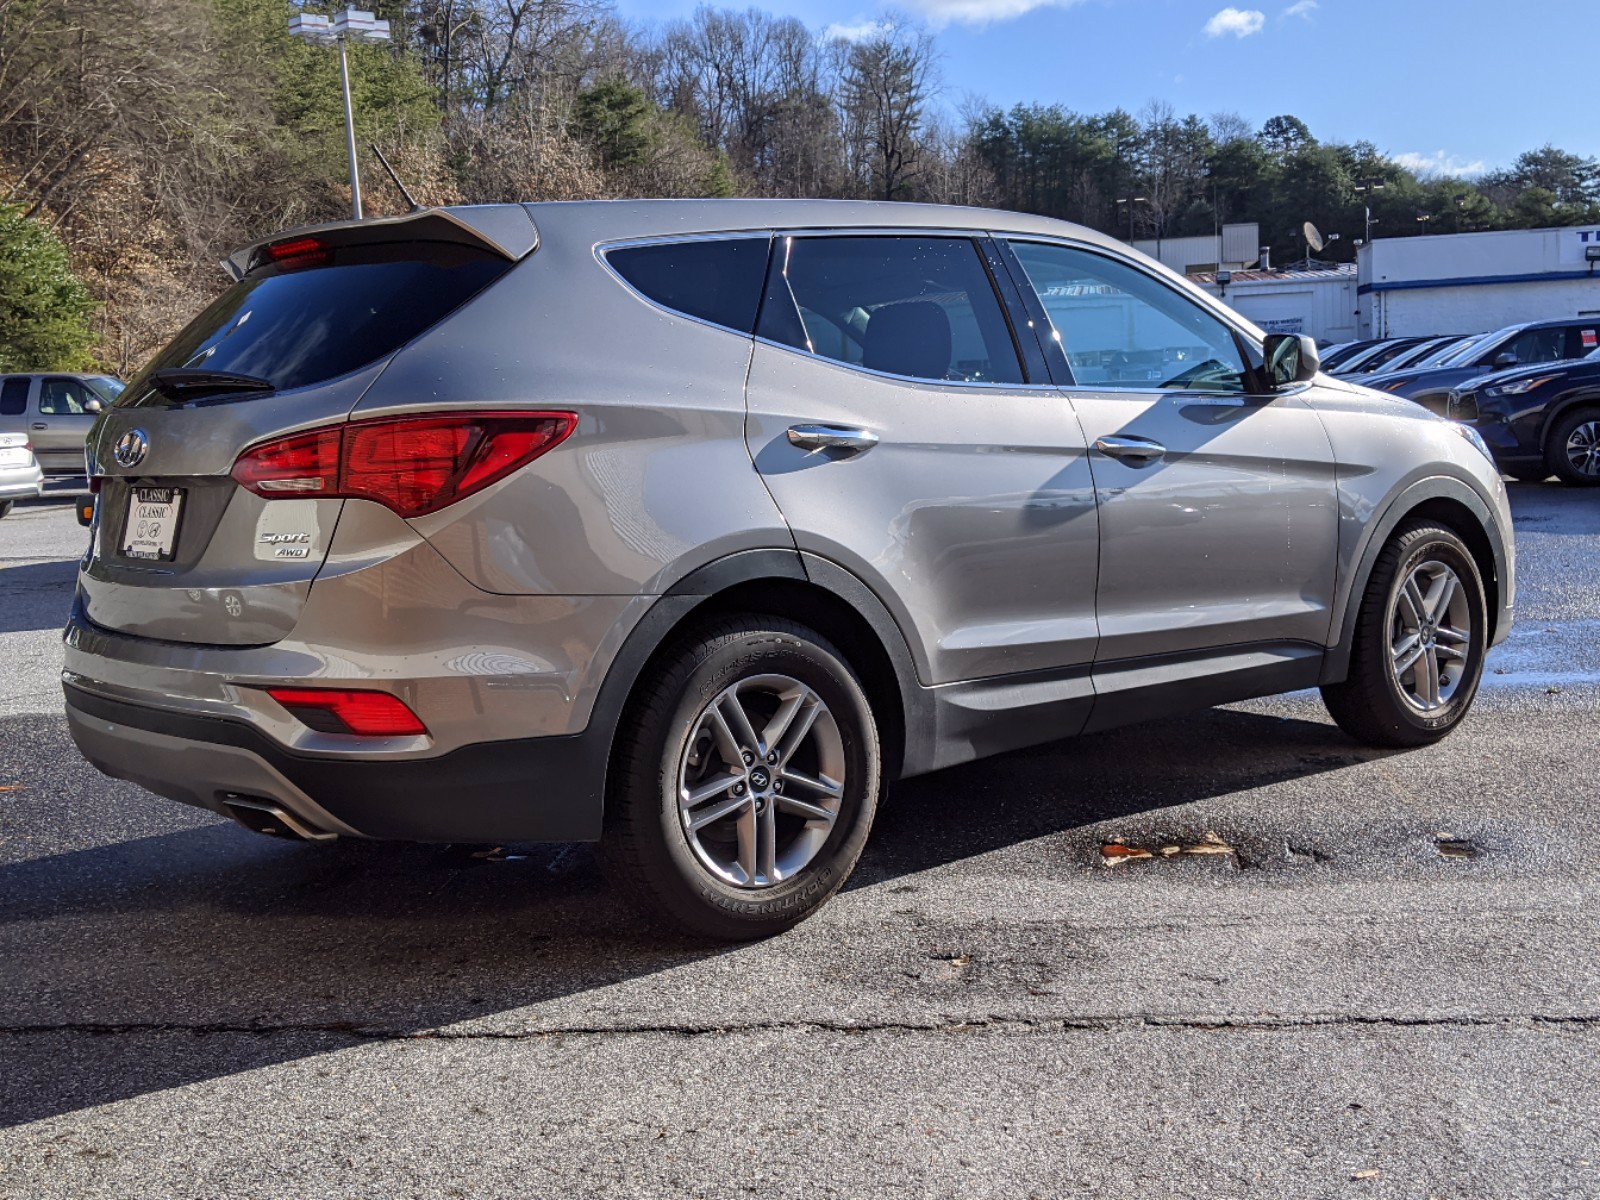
(1314, 238)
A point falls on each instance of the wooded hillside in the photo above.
(151, 136)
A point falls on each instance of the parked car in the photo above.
(1418, 355)
(1517, 345)
(1344, 350)
(55, 410)
(1375, 356)
(686, 525)
(1538, 421)
(20, 476)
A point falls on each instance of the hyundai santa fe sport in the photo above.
(687, 526)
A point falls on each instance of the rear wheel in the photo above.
(1420, 638)
(1572, 450)
(744, 781)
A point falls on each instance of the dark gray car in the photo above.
(689, 525)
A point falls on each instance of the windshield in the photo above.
(296, 326)
(1476, 346)
(1444, 352)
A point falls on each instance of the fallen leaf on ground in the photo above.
(1370, 1173)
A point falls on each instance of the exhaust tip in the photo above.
(272, 820)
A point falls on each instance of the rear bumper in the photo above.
(542, 789)
(18, 485)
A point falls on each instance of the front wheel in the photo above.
(1572, 451)
(744, 781)
(1420, 637)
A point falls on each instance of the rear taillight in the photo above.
(415, 465)
(338, 710)
(298, 253)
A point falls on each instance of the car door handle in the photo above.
(41, 425)
(1135, 451)
(832, 437)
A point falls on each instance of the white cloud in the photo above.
(856, 31)
(1301, 8)
(1240, 22)
(1440, 163)
(980, 12)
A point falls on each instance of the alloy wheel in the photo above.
(1430, 638)
(1583, 448)
(761, 780)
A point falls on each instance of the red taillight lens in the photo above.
(368, 714)
(414, 465)
(304, 464)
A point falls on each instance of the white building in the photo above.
(1471, 282)
(1236, 247)
(1321, 302)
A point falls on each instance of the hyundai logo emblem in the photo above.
(131, 448)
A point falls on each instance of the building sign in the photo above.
(1284, 325)
(1575, 245)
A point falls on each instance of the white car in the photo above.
(20, 474)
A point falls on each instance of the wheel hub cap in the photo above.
(1583, 448)
(760, 781)
(1430, 636)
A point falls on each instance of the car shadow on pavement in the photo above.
(209, 930)
(36, 595)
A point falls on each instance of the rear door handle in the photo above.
(1135, 451)
(41, 425)
(832, 437)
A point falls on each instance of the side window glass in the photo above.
(718, 279)
(1122, 329)
(62, 397)
(14, 396)
(923, 307)
(1539, 346)
(1582, 340)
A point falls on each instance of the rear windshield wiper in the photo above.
(188, 383)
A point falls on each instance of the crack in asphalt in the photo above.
(1225, 1024)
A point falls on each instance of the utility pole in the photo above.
(352, 25)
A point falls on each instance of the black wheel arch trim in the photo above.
(1560, 407)
(1440, 487)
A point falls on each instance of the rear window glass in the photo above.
(14, 396)
(298, 326)
(717, 279)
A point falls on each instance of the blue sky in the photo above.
(1465, 83)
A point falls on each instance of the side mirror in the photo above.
(92, 406)
(1505, 359)
(1290, 358)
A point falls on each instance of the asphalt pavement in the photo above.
(1382, 981)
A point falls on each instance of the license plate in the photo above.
(13, 456)
(151, 530)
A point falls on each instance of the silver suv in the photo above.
(56, 412)
(685, 526)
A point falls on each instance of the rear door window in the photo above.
(714, 279)
(921, 307)
(14, 396)
(1582, 340)
(314, 319)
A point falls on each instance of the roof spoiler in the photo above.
(503, 229)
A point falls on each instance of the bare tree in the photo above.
(887, 81)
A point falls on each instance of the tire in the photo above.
(1376, 705)
(5, 508)
(1528, 474)
(1572, 447)
(669, 745)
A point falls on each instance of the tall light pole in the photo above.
(1367, 186)
(1130, 201)
(352, 25)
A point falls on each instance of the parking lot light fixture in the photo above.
(351, 25)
